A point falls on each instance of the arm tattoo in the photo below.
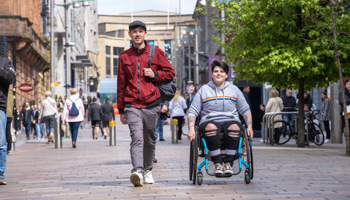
(191, 121)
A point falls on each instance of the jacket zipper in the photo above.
(138, 78)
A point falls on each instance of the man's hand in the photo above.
(164, 109)
(123, 119)
(148, 72)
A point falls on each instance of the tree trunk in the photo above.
(336, 123)
(337, 56)
(301, 117)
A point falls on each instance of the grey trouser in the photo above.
(142, 124)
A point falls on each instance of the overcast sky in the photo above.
(116, 7)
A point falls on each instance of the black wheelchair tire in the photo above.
(193, 161)
(199, 178)
(251, 163)
(316, 130)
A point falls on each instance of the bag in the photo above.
(73, 110)
(167, 88)
(7, 73)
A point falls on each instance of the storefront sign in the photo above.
(25, 87)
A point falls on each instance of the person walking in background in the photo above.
(47, 114)
(347, 101)
(95, 117)
(7, 77)
(9, 113)
(261, 116)
(326, 114)
(177, 108)
(245, 91)
(108, 115)
(27, 116)
(160, 123)
(39, 125)
(275, 104)
(33, 127)
(73, 113)
(139, 101)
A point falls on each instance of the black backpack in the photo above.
(73, 110)
(167, 88)
(7, 72)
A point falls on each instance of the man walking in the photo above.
(139, 101)
(108, 115)
(27, 116)
(95, 116)
(7, 77)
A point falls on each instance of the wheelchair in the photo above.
(244, 157)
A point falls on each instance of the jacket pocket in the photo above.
(130, 69)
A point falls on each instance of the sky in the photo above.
(116, 7)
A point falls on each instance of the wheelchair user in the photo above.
(219, 103)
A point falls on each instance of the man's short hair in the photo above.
(136, 24)
(106, 100)
(94, 99)
(245, 86)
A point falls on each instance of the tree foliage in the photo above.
(282, 41)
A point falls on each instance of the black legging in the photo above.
(180, 123)
(8, 133)
(328, 131)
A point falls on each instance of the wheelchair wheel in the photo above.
(247, 177)
(247, 156)
(284, 132)
(193, 160)
(316, 135)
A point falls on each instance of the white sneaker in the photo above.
(326, 141)
(136, 179)
(148, 177)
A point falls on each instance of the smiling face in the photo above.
(219, 76)
(137, 35)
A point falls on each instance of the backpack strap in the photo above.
(151, 55)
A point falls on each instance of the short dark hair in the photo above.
(94, 99)
(106, 100)
(245, 86)
(218, 63)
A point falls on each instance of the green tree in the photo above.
(288, 44)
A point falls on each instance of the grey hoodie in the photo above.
(219, 104)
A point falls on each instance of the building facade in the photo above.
(163, 30)
(22, 27)
(76, 39)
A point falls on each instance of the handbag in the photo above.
(167, 88)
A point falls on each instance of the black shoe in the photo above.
(161, 139)
(155, 160)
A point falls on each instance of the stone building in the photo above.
(21, 24)
(80, 43)
(163, 30)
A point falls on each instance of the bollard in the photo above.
(14, 139)
(112, 133)
(58, 138)
(173, 127)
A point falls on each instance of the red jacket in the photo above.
(134, 89)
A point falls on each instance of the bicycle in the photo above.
(286, 131)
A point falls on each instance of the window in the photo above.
(108, 50)
(108, 66)
(115, 66)
(167, 44)
(116, 52)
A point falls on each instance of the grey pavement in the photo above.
(95, 170)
